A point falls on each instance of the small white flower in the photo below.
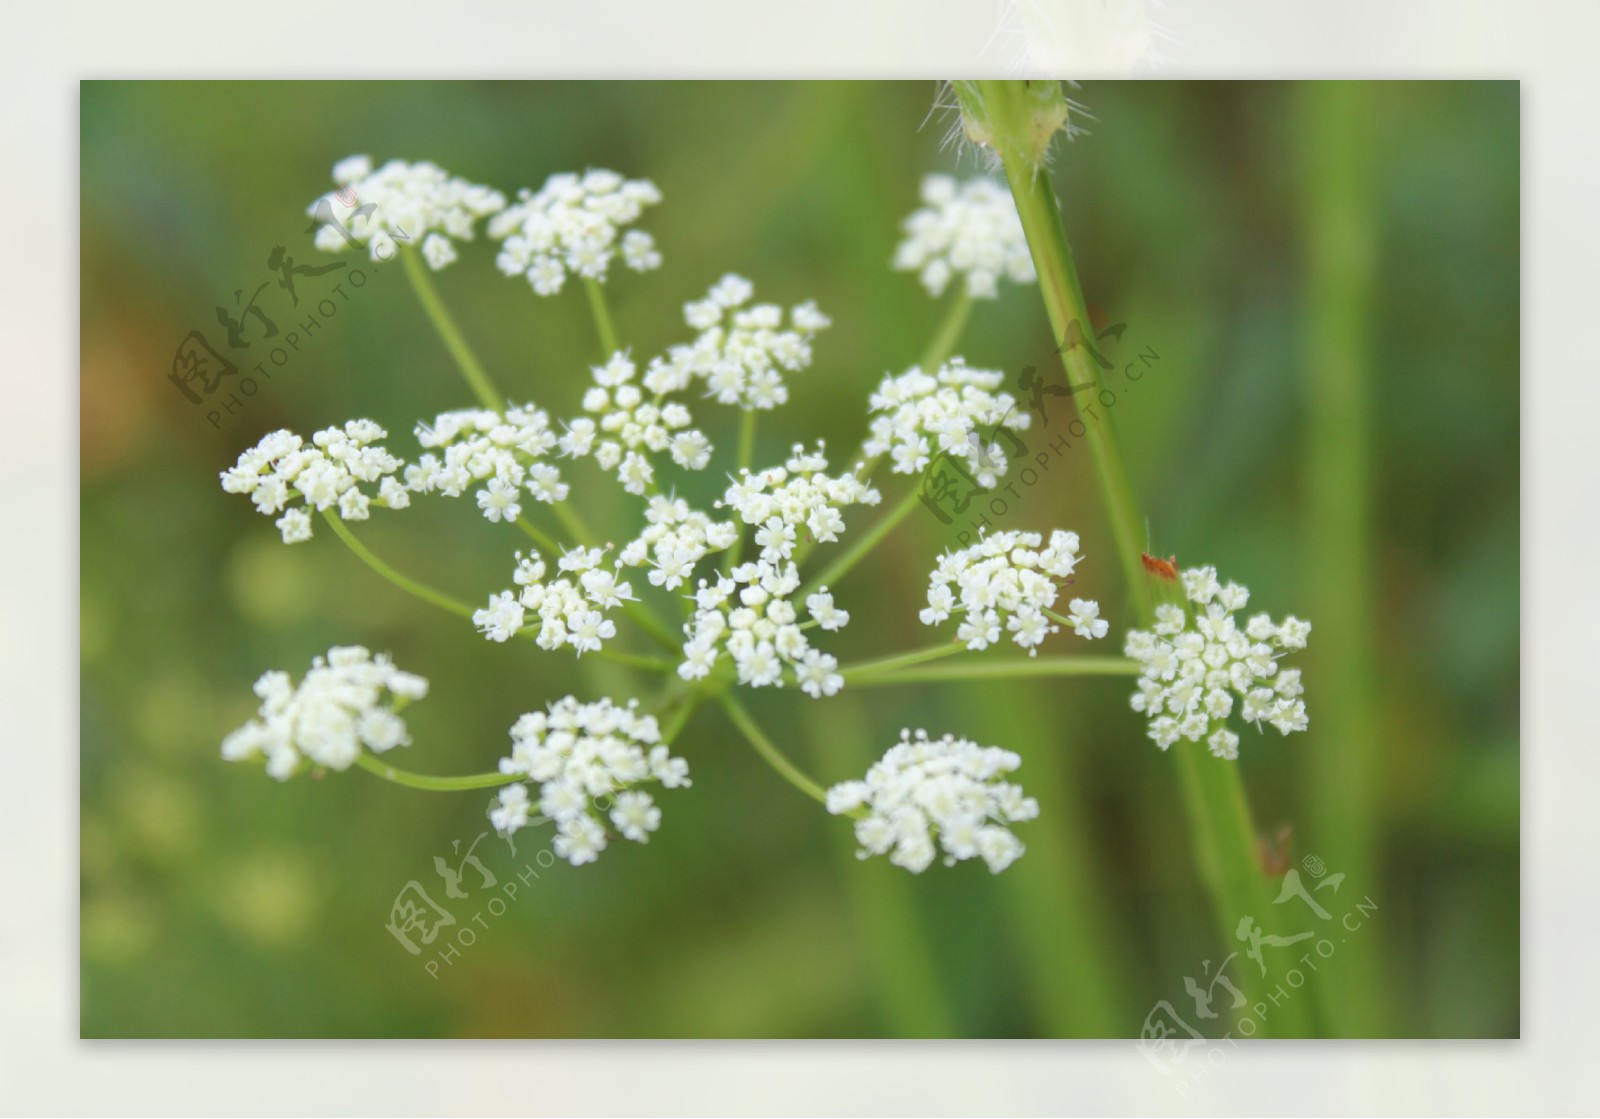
(1086, 620)
(502, 619)
(927, 794)
(969, 229)
(347, 701)
(1193, 679)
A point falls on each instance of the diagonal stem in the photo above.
(466, 360)
(602, 317)
(1219, 815)
(770, 753)
(462, 610)
(863, 544)
(945, 342)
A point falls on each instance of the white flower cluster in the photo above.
(571, 608)
(925, 794)
(969, 228)
(580, 754)
(570, 228)
(674, 540)
(1191, 677)
(627, 425)
(741, 353)
(345, 702)
(1009, 577)
(500, 449)
(401, 202)
(783, 500)
(915, 416)
(325, 475)
(749, 613)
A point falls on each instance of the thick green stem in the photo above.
(1224, 835)
(770, 753)
(1000, 668)
(1069, 321)
(1342, 775)
(944, 343)
(417, 272)
(863, 544)
(433, 784)
(602, 317)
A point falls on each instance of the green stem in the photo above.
(773, 756)
(1000, 668)
(747, 452)
(681, 716)
(949, 336)
(461, 609)
(573, 524)
(1224, 835)
(1069, 320)
(433, 784)
(602, 317)
(863, 544)
(417, 272)
(866, 669)
(410, 586)
(540, 537)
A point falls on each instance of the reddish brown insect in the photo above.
(1161, 568)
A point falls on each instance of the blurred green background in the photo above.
(1330, 277)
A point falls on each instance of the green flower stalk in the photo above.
(1017, 120)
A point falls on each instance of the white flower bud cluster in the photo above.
(345, 702)
(626, 425)
(916, 416)
(1193, 679)
(282, 474)
(570, 608)
(416, 203)
(571, 226)
(587, 758)
(674, 540)
(741, 352)
(926, 794)
(970, 229)
(503, 450)
(783, 501)
(1010, 578)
